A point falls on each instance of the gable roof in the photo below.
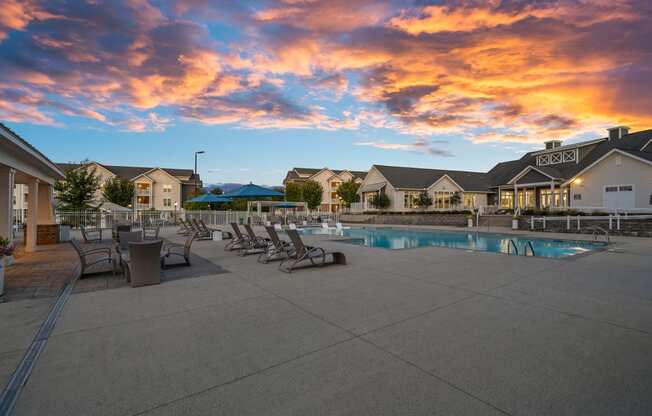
(632, 143)
(305, 173)
(421, 178)
(131, 172)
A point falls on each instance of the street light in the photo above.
(197, 153)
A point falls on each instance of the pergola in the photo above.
(22, 163)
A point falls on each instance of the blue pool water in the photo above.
(400, 238)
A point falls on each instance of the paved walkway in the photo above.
(411, 332)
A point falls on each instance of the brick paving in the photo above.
(40, 274)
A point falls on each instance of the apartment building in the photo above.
(329, 179)
(612, 173)
(162, 189)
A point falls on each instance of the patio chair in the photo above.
(180, 250)
(124, 238)
(239, 241)
(185, 228)
(278, 250)
(201, 233)
(316, 255)
(92, 256)
(151, 233)
(142, 263)
(255, 244)
(91, 235)
(119, 228)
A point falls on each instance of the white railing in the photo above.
(93, 219)
(576, 222)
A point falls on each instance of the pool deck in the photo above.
(411, 332)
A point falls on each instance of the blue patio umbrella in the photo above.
(211, 198)
(286, 205)
(252, 191)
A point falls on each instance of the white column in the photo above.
(516, 204)
(7, 202)
(32, 214)
(552, 194)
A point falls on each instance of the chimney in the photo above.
(553, 144)
(618, 132)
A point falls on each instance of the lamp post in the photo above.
(176, 205)
(197, 153)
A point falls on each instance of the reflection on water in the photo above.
(393, 238)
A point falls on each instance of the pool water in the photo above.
(399, 238)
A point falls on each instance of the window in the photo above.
(543, 160)
(555, 158)
(167, 188)
(410, 198)
(570, 155)
(577, 197)
(650, 200)
(611, 189)
(167, 202)
(625, 188)
(335, 184)
(507, 199)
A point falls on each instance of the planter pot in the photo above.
(2, 278)
(9, 260)
(514, 224)
(64, 233)
(469, 222)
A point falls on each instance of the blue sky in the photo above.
(263, 86)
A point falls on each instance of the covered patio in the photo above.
(22, 163)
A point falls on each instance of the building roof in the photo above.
(304, 173)
(631, 143)
(421, 178)
(186, 176)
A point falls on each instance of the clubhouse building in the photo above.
(609, 174)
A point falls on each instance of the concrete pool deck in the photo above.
(412, 332)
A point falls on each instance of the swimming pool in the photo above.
(403, 238)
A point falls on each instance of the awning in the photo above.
(373, 187)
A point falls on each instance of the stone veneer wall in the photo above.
(633, 228)
(457, 220)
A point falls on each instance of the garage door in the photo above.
(619, 197)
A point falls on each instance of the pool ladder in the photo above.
(527, 244)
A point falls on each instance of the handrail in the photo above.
(510, 245)
(596, 229)
(527, 244)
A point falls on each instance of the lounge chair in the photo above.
(278, 250)
(180, 250)
(185, 228)
(278, 227)
(142, 263)
(339, 227)
(91, 235)
(255, 244)
(316, 255)
(92, 256)
(239, 241)
(292, 226)
(200, 233)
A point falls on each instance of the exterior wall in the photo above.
(395, 196)
(104, 175)
(616, 169)
(160, 179)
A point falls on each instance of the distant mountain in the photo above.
(228, 187)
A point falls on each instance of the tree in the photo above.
(217, 191)
(77, 190)
(119, 191)
(348, 192)
(293, 192)
(456, 198)
(380, 201)
(312, 194)
(423, 200)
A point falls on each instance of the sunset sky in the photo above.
(262, 86)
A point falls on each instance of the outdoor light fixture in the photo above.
(197, 153)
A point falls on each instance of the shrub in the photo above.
(380, 201)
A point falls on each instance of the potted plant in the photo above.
(515, 222)
(7, 251)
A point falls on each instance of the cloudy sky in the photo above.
(265, 85)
